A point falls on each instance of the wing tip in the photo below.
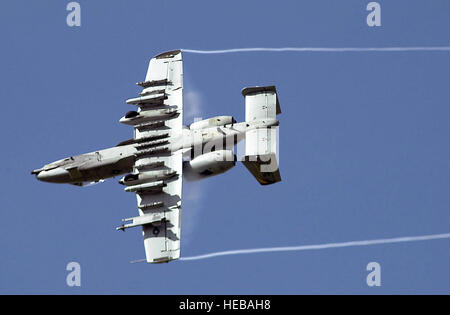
(162, 260)
(168, 54)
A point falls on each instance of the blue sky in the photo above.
(363, 145)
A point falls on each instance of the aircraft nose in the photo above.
(56, 175)
(35, 172)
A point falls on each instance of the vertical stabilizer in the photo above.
(261, 144)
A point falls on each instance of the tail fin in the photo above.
(261, 144)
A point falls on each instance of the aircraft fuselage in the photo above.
(99, 165)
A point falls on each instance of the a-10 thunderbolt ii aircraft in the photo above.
(162, 152)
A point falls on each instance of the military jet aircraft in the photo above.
(162, 152)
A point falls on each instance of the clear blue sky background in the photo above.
(364, 145)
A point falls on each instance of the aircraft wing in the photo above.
(159, 164)
(163, 207)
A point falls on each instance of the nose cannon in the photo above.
(35, 172)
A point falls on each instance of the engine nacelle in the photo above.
(212, 122)
(209, 164)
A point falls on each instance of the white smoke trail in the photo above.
(192, 105)
(321, 246)
(192, 208)
(319, 49)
